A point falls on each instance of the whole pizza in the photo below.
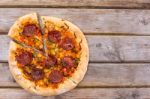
(47, 55)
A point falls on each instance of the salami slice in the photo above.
(55, 76)
(54, 36)
(37, 74)
(24, 58)
(67, 44)
(68, 61)
(50, 61)
(29, 30)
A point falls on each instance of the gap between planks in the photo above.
(76, 7)
(103, 34)
(97, 4)
(106, 87)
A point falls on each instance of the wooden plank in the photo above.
(117, 75)
(82, 93)
(106, 48)
(119, 48)
(4, 47)
(93, 21)
(76, 3)
(6, 78)
(99, 75)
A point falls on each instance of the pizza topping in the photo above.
(37, 74)
(54, 36)
(68, 61)
(24, 58)
(62, 61)
(29, 30)
(50, 61)
(55, 76)
(27, 71)
(64, 71)
(67, 44)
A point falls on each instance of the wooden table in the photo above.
(118, 34)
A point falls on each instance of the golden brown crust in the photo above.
(62, 87)
(16, 72)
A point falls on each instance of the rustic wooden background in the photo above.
(118, 34)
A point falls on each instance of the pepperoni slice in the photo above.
(50, 61)
(29, 30)
(37, 74)
(55, 76)
(54, 36)
(24, 58)
(68, 61)
(67, 44)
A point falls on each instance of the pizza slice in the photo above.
(26, 30)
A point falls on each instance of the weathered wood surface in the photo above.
(124, 61)
(4, 47)
(77, 3)
(100, 75)
(105, 48)
(82, 93)
(93, 21)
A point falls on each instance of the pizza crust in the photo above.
(82, 67)
(20, 23)
(15, 71)
(63, 87)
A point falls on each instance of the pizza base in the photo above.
(82, 67)
(29, 85)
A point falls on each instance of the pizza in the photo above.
(59, 66)
(26, 30)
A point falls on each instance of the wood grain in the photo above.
(93, 21)
(82, 93)
(4, 47)
(100, 75)
(77, 3)
(105, 48)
